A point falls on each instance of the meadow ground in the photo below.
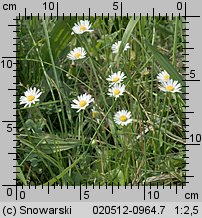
(126, 125)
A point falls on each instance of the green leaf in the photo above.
(51, 144)
(129, 29)
(121, 178)
(60, 36)
(165, 64)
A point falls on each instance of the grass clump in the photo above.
(122, 127)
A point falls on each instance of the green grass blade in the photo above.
(165, 64)
(129, 29)
(65, 171)
(175, 41)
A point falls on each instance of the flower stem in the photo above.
(80, 131)
(162, 115)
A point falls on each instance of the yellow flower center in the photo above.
(82, 103)
(82, 28)
(169, 88)
(115, 79)
(166, 77)
(123, 118)
(77, 55)
(116, 91)
(94, 114)
(30, 97)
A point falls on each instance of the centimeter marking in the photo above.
(30, 16)
(95, 16)
(185, 16)
(84, 188)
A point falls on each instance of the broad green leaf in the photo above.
(129, 29)
(60, 36)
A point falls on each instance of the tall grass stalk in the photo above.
(58, 86)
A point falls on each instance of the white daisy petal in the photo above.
(31, 97)
(116, 90)
(76, 54)
(82, 102)
(75, 101)
(170, 86)
(74, 106)
(81, 27)
(163, 76)
(116, 46)
(116, 78)
(123, 117)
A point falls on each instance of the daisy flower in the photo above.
(116, 45)
(76, 54)
(31, 97)
(123, 117)
(82, 102)
(81, 27)
(116, 90)
(170, 86)
(116, 78)
(163, 76)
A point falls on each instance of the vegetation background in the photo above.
(59, 145)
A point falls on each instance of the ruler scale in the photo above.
(142, 199)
